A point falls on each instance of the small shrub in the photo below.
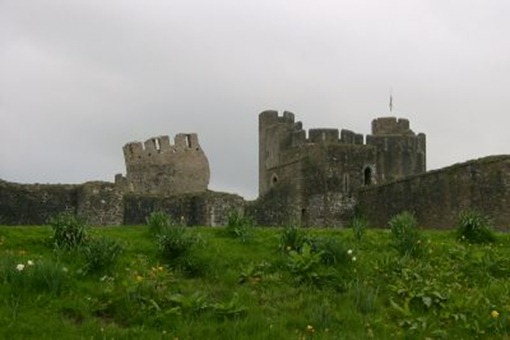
(333, 251)
(304, 265)
(358, 225)
(178, 246)
(406, 236)
(291, 238)
(230, 310)
(158, 222)
(174, 242)
(239, 226)
(474, 228)
(69, 231)
(101, 254)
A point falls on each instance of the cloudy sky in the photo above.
(80, 78)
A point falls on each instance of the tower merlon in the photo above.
(350, 137)
(187, 141)
(323, 135)
(272, 117)
(391, 126)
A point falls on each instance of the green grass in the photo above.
(254, 289)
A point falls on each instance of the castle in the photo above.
(317, 178)
(322, 174)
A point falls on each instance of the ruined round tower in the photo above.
(158, 167)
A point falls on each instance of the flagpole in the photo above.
(391, 101)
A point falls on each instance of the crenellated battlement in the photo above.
(392, 151)
(391, 126)
(160, 148)
(272, 117)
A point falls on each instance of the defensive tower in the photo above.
(315, 179)
(158, 167)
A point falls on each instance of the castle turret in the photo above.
(158, 167)
(400, 152)
(276, 133)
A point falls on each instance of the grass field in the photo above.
(261, 283)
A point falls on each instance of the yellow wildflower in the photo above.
(138, 278)
(494, 313)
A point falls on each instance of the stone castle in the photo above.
(322, 174)
(317, 178)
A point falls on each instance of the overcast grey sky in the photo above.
(79, 79)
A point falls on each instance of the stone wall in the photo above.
(26, 204)
(98, 203)
(201, 209)
(278, 207)
(437, 197)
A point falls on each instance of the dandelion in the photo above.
(20, 267)
(349, 252)
(354, 259)
(494, 314)
(30, 262)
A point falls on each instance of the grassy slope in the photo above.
(448, 293)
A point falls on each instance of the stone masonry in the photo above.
(158, 167)
(317, 177)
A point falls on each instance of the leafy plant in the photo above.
(333, 252)
(175, 242)
(101, 254)
(69, 231)
(304, 264)
(474, 228)
(193, 304)
(358, 225)
(291, 238)
(158, 222)
(229, 310)
(178, 246)
(253, 273)
(239, 225)
(406, 236)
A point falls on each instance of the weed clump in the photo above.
(474, 228)
(239, 226)
(333, 252)
(291, 238)
(406, 236)
(69, 231)
(158, 222)
(177, 246)
(358, 225)
(101, 254)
